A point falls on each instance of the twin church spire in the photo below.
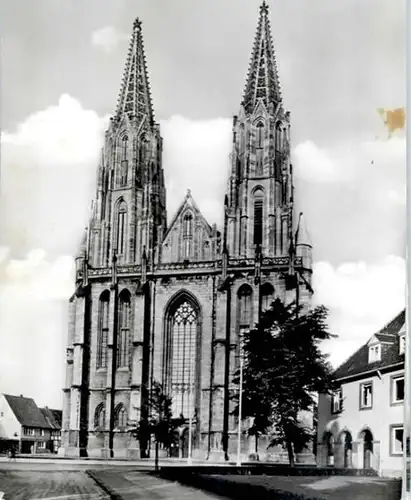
(262, 78)
(135, 97)
(130, 212)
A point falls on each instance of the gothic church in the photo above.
(167, 301)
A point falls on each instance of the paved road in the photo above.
(54, 485)
(48, 480)
(134, 485)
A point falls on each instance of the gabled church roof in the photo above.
(262, 79)
(188, 203)
(135, 98)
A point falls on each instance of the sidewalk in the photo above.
(134, 485)
(128, 485)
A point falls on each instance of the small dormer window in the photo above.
(402, 344)
(374, 353)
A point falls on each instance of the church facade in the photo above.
(167, 302)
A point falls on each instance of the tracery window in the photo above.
(103, 319)
(187, 235)
(124, 162)
(245, 307)
(267, 296)
(260, 135)
(121, 227)
(100, 416)
(206, 251)
(183, 333)
(258, 216)
(120, 417)
(259, 148)
(278, 136)
(123, 335)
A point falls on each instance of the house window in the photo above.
(41, 445)
(398, 389)
(336, 401)
(41, 432)
(374, 353)
(397, 436)
(402, 344)
(366, 395)
(28, 431)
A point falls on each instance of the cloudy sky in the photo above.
(61, 66)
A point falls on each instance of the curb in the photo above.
(112, 494)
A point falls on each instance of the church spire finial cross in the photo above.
(264, 7)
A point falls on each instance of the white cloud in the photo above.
(61, 135)
(317, 165)
(398, 196)
(33, 325)
(108, 38)
(361, 298)
(48, 177)
(196, 157)
(363, 160)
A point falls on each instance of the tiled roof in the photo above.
(26, 411)
(383, 337)
(358, 362)
(53, 417)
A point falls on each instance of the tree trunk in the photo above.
(256, 443)
(290, 453)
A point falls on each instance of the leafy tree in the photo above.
(161, 424)
(283, 369)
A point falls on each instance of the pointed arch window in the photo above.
(100, 417)
(124, 147)
(103, 322)
(123, 334)
(187, 235)
(121, 227)
(278, 136)
(124, 162)
(120, 417)
(258, 216)
(260, 135)
(245, 307)
(181, 356)
(267, 296)
(206, 251)
(259, 148)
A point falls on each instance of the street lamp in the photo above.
(240, 412)
(190, 418)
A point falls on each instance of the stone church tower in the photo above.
(168, 302)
